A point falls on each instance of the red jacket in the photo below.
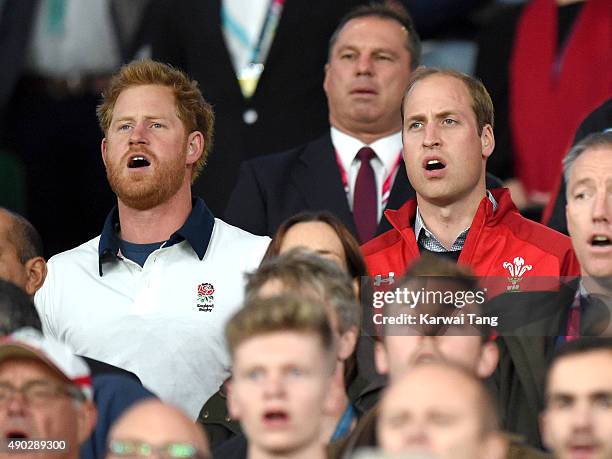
(496, 243)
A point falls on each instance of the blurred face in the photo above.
(424, 413)
(153, 423)
(147, 152)
(318, 237)
(444, 154)
(589, 211)
(577, 422)
(53, 415)
(11, 268)
(278, 391)
(366, 75)
(400, 353)
(404, 346)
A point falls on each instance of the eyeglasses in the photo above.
(138, 449)
(38, 393)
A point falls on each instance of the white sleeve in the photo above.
(45, 302)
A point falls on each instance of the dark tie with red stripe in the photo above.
(365, 202)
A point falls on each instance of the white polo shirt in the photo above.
(164, 321)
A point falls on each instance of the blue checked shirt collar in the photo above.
(427, 239)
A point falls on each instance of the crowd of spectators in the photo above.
(377, 286)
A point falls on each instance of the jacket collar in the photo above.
(401, 218)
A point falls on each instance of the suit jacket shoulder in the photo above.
(272, 188)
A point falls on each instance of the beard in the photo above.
(149, 190)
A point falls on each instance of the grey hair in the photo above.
(303, 272)
(594, 140)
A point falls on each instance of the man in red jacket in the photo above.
(448, 137)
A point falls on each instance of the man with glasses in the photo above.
(155, 428)
(45, 398)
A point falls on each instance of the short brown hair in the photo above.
(191, 108)
(261, 316)
(482, 105)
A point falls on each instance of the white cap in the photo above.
(28, 342)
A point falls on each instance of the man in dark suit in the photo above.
(371, 56)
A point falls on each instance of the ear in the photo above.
(347, 343)
(103, 147)
(87, 415)
(570, 222)
(487, 139)
(233, 407)
(489, 357)
(356, 288)
(325, 80)
(195, 147)
(36, 272)
(543, 421)
(380, 358)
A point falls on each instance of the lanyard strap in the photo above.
(344, 425)
(387, 184)
(249, 74)
(268, 30)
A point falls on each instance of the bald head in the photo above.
(158, 424)
(21, 260)
(441, 409)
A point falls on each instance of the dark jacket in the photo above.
(273, 188)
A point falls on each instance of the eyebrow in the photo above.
(583, 181)
(440, 115)
(131, 118)
(374, 51)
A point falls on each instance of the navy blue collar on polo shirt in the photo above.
(196, 230)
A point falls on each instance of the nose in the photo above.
(414, 435)
(431, 137)
(138, 134)
(601, 206)
(273, 386)
(364, 65)
(582, 417)
(16, 403)
(426, 348)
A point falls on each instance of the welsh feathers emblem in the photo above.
(516, 270)
(206, 297)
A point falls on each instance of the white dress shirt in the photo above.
(388, 150)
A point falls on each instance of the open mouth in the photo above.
(16, 435)
(434, 165)
(276, 417)
(580, 451)
(138, 161)
(600, 240)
